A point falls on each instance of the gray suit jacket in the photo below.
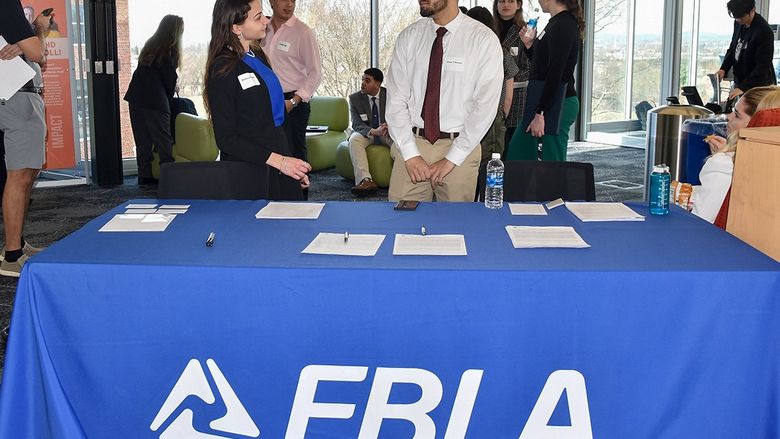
(360, 105)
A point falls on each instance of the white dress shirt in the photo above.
(472, 74)
(715, 179)
(295, 57)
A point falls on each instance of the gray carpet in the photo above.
(56, 212)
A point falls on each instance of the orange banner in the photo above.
(57, 96)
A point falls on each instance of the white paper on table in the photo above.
(277, 210)
(429, 245)
(172, 211)
(175, 206)
(137, 223)
(589, 211)
(140, 211)
(334, 244)
(554, 203)
(141, 206)
(527, 209)
(545, 237)
(15, 73)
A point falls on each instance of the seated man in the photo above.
(368, 127)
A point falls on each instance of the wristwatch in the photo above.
(292, 101)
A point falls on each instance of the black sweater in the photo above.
(754, 67)
(554, 57)
(244, 125)
(152, 87)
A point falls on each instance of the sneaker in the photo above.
(28, 250)
(365, 188)
(12, 269)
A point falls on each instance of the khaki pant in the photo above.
(357, 152)
(459, 185)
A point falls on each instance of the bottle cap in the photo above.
(495, 156)
(661, 169)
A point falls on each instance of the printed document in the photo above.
(15, 73)
(277, 210)
(603, 212)
(153, 222)
(545, 237)
(343, 244)
(429, 245)
(527, 209)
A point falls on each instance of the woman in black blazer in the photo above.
(150, 93)
(245, 99)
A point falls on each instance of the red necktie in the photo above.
(430, 109)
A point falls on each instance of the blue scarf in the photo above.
(272, 82)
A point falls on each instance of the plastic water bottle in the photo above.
(494, 187)
(660, 181)
(534, 21)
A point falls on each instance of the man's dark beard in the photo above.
(435, 9)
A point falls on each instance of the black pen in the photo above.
(210, 239)
(346, 237)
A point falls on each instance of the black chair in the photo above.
(531, 180)
(221, 180)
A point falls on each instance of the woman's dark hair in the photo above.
(740, 8)
(165, 44)
(519, 21)
(482, 15)
(576, 9)
(224, 43)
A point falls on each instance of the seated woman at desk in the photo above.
(245, 101)
(717, 171)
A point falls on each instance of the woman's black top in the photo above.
(554, 57)
(244, 124)
(753, 64)
(153, 86)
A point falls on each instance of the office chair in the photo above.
(222, 180)
(532, 180)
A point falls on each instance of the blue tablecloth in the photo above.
(671, 323)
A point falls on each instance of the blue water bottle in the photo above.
(534, 21)
(660, 181)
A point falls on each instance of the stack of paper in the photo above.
(277, 210)
(603, 212)
(15, 73)
(168, 209)
(342, 244)
(429, 245)
(132, 222)
(527, 209)
(545, 237)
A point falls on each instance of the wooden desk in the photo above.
(754, 212)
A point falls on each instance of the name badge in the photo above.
(364, 117)
(514, 51)
(248, 80)
(541, 35)
(284, 46)
(454, 64)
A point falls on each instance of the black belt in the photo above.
(32, 89)
(289, 95)
(442, 135)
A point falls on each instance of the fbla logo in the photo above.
(193, 382)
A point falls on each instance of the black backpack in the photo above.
(180, 105)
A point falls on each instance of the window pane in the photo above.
(715, 29)
(609, 60)
(648, 52)
(394, 16)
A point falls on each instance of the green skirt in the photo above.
(524, 146)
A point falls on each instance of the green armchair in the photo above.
(194, 142)
(332, 112)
